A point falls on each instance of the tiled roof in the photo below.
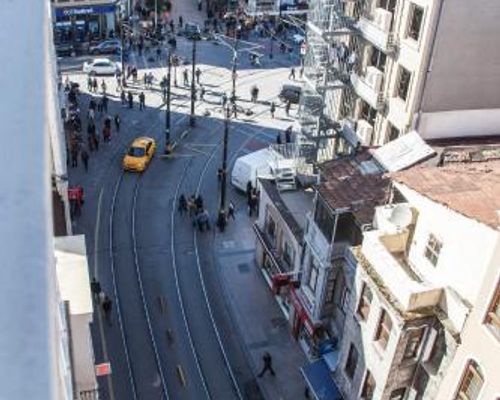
(348, 185)
(472, 189)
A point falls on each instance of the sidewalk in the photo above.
(189, 11)
(262, 325)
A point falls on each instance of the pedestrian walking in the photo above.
(142, 101)
(158, 53)
(191, 206)
(230, 211)
(183, 206)
(198, 201)
(181, 21)
(123, 98)
(91, 115)
(249, 189)
(117, 122)
(288, 134)
(291, 75)
(278, 138)
(103, 87)
(273, 109)
(220, 172)
(234, 110)
(198, 75)
(268, 365)
(74, 155)
(301, 72)
(85, 159)
(254, 93)
(287, 108)
(94, 85)
(202, 93)
(203, 220)
(134, 74)
(172, 26)
(118, 82)
(224, 100)
(185, 77)
(107, 304)
(89, 83)
(130, 98)
(95, 288)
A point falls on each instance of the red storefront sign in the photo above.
(302, 312)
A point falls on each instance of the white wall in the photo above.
(478, 343)
(463, 123)
(83, 354)
(467, 246)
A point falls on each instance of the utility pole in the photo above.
(168, 148)
(193, 88)
(222, 217)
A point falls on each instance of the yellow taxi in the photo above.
(139, 154)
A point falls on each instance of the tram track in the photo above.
(127, 327)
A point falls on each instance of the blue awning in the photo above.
(320, 382)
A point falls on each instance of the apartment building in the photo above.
(279, 229)
(384, 68)
(419, 317)
(343, 208)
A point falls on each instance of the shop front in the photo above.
(84, 23)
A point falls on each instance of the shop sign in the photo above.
(73, 11)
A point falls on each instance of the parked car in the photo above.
(290, 93)
(101, 66)
(112, 46)
(192, 31)
(65, 50)
(139, 154)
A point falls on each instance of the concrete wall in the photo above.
(465, 64)
(478, 342)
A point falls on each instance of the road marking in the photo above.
(181, 376)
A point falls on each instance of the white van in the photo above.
(252, 166)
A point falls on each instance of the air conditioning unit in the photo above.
(383, 19)
(374, 78)
(364, 132)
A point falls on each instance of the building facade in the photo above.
(83, 21)
(419, 315)
(383, 68)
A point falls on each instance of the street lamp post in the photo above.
(193, 89)
(167, 116)
(222, 218)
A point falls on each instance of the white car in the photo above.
(101, 66)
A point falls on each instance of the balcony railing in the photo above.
(280, 265)
(376, 28)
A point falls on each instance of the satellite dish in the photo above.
(401, 216)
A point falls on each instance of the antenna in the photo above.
(401, 216)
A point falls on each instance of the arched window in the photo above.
(472, 382)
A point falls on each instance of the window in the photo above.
(416, 17)
(368, 386)
(368, 113)
(364, 302)
(352, 361)
(413, 344)
(383, 329)
(398, 394)
(432, 249)
(471, 383)
(389, 5)
(313, 276)
(377, 59)
(288, 253)
(404, 83)
(323, 218)
(394, 133)
(493, 315)
(270, 227)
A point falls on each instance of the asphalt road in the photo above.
(200, 357)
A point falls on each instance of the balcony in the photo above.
(369, 87)
(377, 29)
(382, 255)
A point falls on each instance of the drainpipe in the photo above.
(428, 64)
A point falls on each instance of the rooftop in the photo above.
(293, 206)
(470, 188)
(354, 183)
